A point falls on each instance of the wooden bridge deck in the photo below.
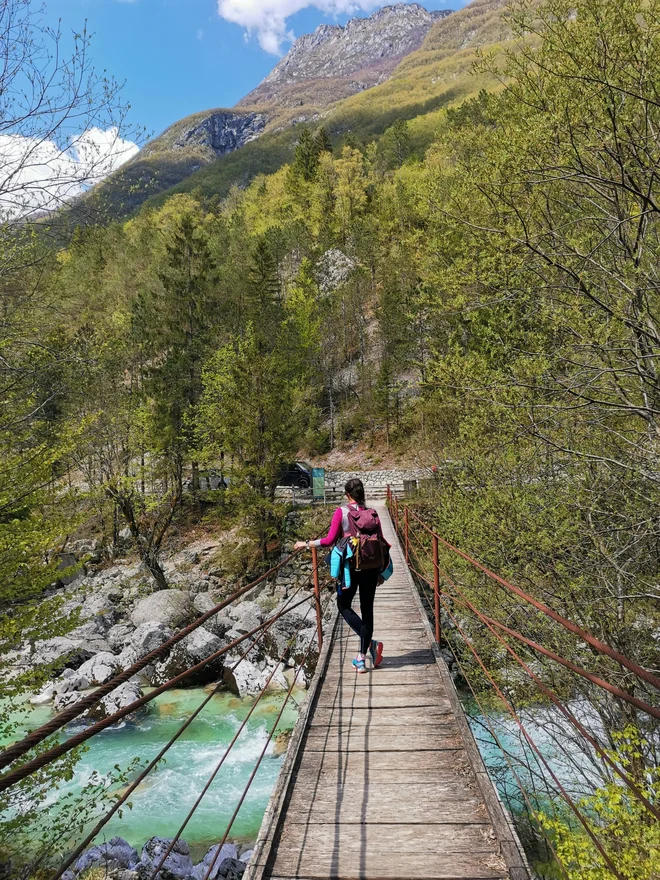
(384, 779)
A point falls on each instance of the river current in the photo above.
(163, 800)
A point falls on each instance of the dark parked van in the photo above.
(298, 474)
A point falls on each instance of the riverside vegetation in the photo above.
(490, 301)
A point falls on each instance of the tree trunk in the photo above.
(150, 560)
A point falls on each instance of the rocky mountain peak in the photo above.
(366, 50)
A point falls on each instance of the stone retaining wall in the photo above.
(377, 478)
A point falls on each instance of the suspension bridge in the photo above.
(383, 777)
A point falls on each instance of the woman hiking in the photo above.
(363, 579)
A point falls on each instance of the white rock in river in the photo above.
(178, 865)
(101, 668)
(169, 607)
(228, 851)
(63, 701)
(44, 696)
(196, 647)
(117, 699)
(246, 678)
(70, 681)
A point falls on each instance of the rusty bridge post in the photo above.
(317, 595)
(436, 588)
(405, 534)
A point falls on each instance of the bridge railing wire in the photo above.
(19, 773)
(77, 709)
(421, 545)
(126, 793)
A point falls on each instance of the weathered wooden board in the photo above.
(353, 762)
(401, 838)
(410, 717)
(389, 866)
(352, 811)
(359, 741)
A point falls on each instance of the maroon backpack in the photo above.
(371, 550)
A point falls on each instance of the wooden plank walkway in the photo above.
(385, 780)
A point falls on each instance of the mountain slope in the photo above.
(436, 76)
(335, 62)
(331, 63)
(401, 62)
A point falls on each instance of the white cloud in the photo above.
(38, 175)
(268, 18)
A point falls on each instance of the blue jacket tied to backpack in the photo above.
(340, 564)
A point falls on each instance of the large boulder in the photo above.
(244, 678)
(280, 633)
(190, 651)
(63, 701)
(246, 616)
(66, 690)
(119, 634)
(219, 624)
(178, 865)
(228, 851)
(204, 602)
(148, 636)
(117, 699)
(172, 608)
(101, 668)
(116, 854)
(61, 650)
(91, 635)
(231, 869)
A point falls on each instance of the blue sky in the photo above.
(180, 56)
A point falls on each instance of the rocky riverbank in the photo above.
(118, 860)
(121, 616)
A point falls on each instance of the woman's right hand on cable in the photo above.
(300, 545)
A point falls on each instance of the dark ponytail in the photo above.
(355, 489)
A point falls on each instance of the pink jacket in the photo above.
(338, 526)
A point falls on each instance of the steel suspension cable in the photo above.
(52, 754)
(261, 756)
(616, 691)
(77, 709)
(523, 729)
(596, 643)
(533, 810)
(218, 766)
(490, 623)
(152, 764)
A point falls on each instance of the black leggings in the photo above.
(367, 581)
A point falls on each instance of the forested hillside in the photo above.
(479, 284)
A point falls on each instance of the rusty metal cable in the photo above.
(596, 643)
(560, 787)
(36, 736)
(152, 764)
(616, 691)
(551, 695)
(512, 770)
(57, 751)
(260, 758)
(218, 766)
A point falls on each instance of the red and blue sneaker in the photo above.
(376, 651)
